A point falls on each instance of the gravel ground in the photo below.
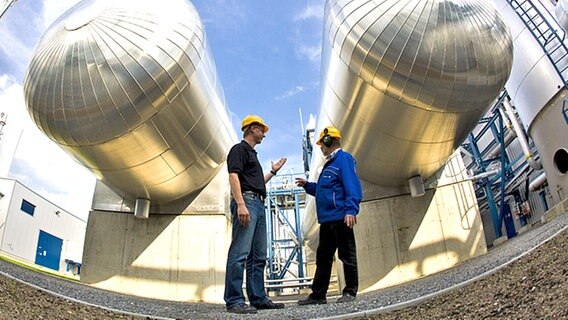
(532, 287)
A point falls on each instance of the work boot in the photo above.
(241, 308)
(311, 300)
(269, 305)
(346, 297)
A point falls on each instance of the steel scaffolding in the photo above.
(284, 210)
(490, 148)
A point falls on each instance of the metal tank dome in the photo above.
(406, 81)
(129, 89)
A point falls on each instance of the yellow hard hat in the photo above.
(250, 119)
(330, 132)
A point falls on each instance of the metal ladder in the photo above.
(550, 39)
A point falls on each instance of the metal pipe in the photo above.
(535, 164)
(416, 185)
(483, 175)
(497, 149)
(537, 182)
(142, 208)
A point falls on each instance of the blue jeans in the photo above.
(248, 246)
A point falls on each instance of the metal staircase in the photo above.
(550, 37)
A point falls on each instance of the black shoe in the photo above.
(269, 305)
(346, 297)
(242, 308)
(310, 300)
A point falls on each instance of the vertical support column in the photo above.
(270, 233)
(505, 211)
(299, 236)
(486, 186)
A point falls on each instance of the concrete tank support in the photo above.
(402, 238)
(172, 257)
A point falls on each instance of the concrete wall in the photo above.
(172, 257)
(400, 238)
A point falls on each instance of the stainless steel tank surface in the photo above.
(406, 81)
(561, 13)
(129, 89)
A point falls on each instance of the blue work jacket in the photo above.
(338, 190)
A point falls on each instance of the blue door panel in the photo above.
(48, 251)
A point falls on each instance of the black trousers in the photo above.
(335, 235)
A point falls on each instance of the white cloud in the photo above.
(290, 93)
(312, 53)
(52, 9)
(311, 11)
(22, 27)
(6, 81)
(227, 15)
(13, 48)
(308, 31)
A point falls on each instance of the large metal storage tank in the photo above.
(129, 89)
(406, 81)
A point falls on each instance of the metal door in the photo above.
(48, 251)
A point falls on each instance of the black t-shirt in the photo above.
(243, 161)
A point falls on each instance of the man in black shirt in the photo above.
(249, 241)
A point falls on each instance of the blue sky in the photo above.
(267, 55)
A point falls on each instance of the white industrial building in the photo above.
(37, 231)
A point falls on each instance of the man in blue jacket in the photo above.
(338, 194)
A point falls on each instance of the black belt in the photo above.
(253, 195)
